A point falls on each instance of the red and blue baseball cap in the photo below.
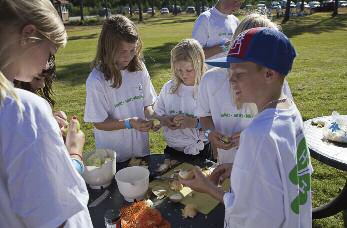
(267, 47)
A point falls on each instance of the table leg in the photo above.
(333, 207)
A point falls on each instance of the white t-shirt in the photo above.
(215, 99)
(39, 187)
(269, 188)
(183, 101)
(214, 28)
(127, 101)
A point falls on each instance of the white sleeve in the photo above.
(148, 90)
(159, 106)
(200, 30)
(203, 105)
(96, 108)
(256, 185)
(44, 188)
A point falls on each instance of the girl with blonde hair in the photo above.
(177, 101)
(39, 186)
(221, 115)
(120, 94)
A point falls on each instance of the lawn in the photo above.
(318, 80)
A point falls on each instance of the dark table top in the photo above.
(330, 153)
(170, 211)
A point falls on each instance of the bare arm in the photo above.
(207, 122)
(200, 183)
(110, 125)
(211, 51)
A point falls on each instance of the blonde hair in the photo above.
(6, 89)
(116, 29)
(191, 51)
(253, 20)
(14, 15)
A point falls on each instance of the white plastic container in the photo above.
(133, 182)
(100, 176)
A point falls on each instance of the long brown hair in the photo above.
(46, 92)
(116, 29)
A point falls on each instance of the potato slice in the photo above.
(189, 211)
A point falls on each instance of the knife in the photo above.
(165, 178)
(98, 200)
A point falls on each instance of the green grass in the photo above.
(318, 80)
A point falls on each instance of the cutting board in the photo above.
(204, 203)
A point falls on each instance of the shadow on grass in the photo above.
(314, 24)
(344, 214)
(173, 21)
(167, 20)
(74, 74)
(84, 37)
(158, 57)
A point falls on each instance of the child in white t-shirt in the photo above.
(177, 101)
(120, 94)
(271, 176)
(214, 28)
(220, 115)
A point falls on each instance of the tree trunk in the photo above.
(286, 15)
(175, 8)
(202, 6)
(197, 8)
(140, 10)
(81, 10)
(336, 8)
(152, 5)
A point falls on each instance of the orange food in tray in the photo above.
(140, 215)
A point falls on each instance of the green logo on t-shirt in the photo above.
(236, 115)
(134, 98)
(300, 175)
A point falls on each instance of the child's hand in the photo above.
(220, 141)
(235, 139)
(156, 127)
(140, 124)
(167, 121)
(185, 121)
(198, 183)
(61, 118)
(220, 173)
(75, 138)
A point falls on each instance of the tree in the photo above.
(131, 8)
(175, 8)
(81, 11)
(140, 10)
(336, 6)
(152, 6)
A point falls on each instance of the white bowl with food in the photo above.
(133, 182)
(100, 168)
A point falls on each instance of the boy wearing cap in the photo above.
(271, 175)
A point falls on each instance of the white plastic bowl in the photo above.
(133, 182)
(97, 177)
